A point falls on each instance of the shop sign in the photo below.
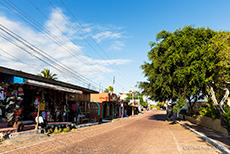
(103, 98)
(13, 79)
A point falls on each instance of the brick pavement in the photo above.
(147, 133)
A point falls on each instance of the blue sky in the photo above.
(121, 29)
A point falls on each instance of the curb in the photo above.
(86, 125)
(211, 141)
(21, 134)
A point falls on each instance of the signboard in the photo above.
(134, 102)
(100, 97)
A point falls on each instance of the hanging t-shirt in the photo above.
(18, 112)
(37, 99)
(2, 95)
(74, 106)
(43, 115)
(42, 106)
(14, 93)
(34, 114)
(20, 91)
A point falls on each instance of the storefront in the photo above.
(80, 107)
(11, 98)
(103, 106)
(23, 95)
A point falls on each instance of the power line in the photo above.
(62, 73)
(83, 36)
(36, 25)
(35, 49)
(34, 22)
(92, 38)
(61, 32)
(39, 26)
(18, 60)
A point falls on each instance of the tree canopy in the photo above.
(188, 63)
(47, 74)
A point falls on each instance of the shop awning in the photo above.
(50, 86)
(29, 76)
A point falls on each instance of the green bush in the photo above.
(209, 110)
(57, 131)
(160, 105)
(66, 130)
(60, 130)
(50, 131)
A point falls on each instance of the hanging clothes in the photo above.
(2, 94)
(20, 91)
(42, 106)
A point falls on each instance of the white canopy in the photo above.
(50, 86)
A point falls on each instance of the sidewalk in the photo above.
(222, 141)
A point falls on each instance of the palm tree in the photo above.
(47, 74)
(109, 90)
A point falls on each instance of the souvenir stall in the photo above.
(56, 103)
(21, 98)
(23, 94)
(11, 99)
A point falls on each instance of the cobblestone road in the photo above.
(148, 133)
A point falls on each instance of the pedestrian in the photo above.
(40, 121)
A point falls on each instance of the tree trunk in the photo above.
(224, 98)
(195, 98)
(219, 106)
(190, 105)
(215, 103)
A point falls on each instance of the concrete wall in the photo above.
(214, 124)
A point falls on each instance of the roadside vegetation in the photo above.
(188, 65)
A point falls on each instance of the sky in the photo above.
(96, 43)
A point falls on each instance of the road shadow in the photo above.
(163, 117)
(158, 117)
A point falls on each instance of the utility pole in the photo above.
(132, 102)
(114, 84)
(99, 86)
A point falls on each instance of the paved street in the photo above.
(147, 133)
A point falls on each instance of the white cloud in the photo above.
(114, 62)
(62, 52)
(107, 35)
(117, 45)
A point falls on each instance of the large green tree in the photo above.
(189, 63)
(46, 73)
